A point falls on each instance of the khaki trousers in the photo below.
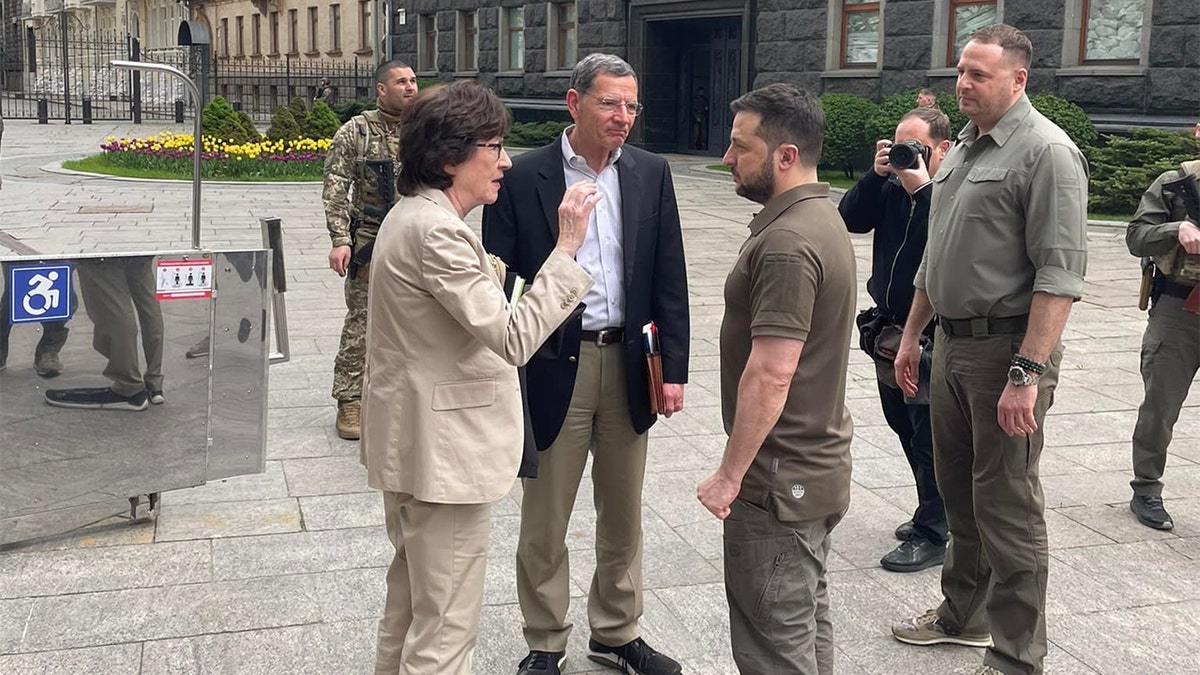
(1170, 359)
(778, 597)
(434, 586)
(120, 295)
(597, 421)
(994, 577)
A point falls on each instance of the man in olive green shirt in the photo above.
(784, 481)
(1005, 260)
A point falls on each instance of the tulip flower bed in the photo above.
(170, 156)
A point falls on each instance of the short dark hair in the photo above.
(939, 123)
(1011, 40)
(789, 115)
(441, 127)
(386, 67)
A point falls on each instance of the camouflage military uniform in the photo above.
(1171, 344)
(350, 190)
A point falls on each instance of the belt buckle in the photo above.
(979, 326)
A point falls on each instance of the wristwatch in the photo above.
(1020, 377)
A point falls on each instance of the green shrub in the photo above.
(283, 125)
(948, 103)
(845, 130)
(883, 120)
(250, 129)
(1068, 116)
(345, 111)
(218, 115)
(299, 110)
(426, 82)
(1124, 167)
(534, 134)
(321, 122)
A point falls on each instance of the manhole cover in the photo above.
(135, 208)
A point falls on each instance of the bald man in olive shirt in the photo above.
(1005, 260)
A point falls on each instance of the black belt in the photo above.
(604, 336)
(984, 326)
(1173, 289)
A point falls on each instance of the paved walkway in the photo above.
(283, 572)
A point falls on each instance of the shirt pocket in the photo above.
(464, 394)
(987, 174)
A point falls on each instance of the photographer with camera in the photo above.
(893, 201)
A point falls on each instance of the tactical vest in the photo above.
(1178, 265)
(373, 141)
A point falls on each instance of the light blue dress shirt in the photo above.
(602, 253)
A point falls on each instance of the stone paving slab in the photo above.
(213, 586)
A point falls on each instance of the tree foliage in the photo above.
(1124, 166)
(846, 133)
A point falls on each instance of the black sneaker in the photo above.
(541, 663)
(633, 658)
(914, 555)
(1150, 512)
(905, 531)
(96, 398)
(155, 396)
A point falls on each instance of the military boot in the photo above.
(347, 419)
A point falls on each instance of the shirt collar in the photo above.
(576, 161)
(1004, 128)
(780, 203)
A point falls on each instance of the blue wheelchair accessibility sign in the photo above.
(39, 293)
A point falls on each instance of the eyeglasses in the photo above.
(498, 147)
(610, 105)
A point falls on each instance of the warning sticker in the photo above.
(178, 279)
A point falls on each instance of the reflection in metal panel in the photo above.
(64, 467)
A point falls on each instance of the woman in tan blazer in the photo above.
(442, 425)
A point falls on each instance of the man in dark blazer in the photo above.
(588, 388)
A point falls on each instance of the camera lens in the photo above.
(902, 156)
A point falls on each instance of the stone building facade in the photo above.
(1123, 61)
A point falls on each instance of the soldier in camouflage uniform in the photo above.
(1165, 230)
(357, 195)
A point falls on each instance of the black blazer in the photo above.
(522, 228)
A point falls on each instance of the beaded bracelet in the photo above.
(1028, 364)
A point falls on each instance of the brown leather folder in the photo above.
(654, 371)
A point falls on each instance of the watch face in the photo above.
(1019, 377)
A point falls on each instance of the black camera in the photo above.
(904, 155)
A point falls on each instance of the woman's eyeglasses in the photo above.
(498, 147)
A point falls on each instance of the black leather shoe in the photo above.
(633, 658)
(905, 531)
(1150, 512)
(542, 663)
(914, 555)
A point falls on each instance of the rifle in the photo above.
(1181, 264)
(384, 172)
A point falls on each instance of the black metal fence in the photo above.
(52, 76)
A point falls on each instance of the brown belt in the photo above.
(605, 336)
(984, 326)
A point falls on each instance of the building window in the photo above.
(512, 38)
(274, 22)
(313, 26)
(427, 45)
(293, 31)
(966, 17)
(225, 37)
(860, 33)
(364, 25)
(1112, 31)
(468, 40)
(241, 30)
(335, 28)
(256, 34)
(561, 30)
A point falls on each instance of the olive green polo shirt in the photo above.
(1008, 218)
(795, 278)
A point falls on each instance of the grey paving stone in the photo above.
(1066, 532)
(325, 476)
(115, 531)
(59, 572)
(307, 442)
(300, 552)
(1123, 568)
(881, 472)
(335, 512)
(214, 520)
(267, 485)
(347, 595)
(14, 617)
(93, 619)
(1114, 521)
(313, 649)
(123, 659)
(1138, 640)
